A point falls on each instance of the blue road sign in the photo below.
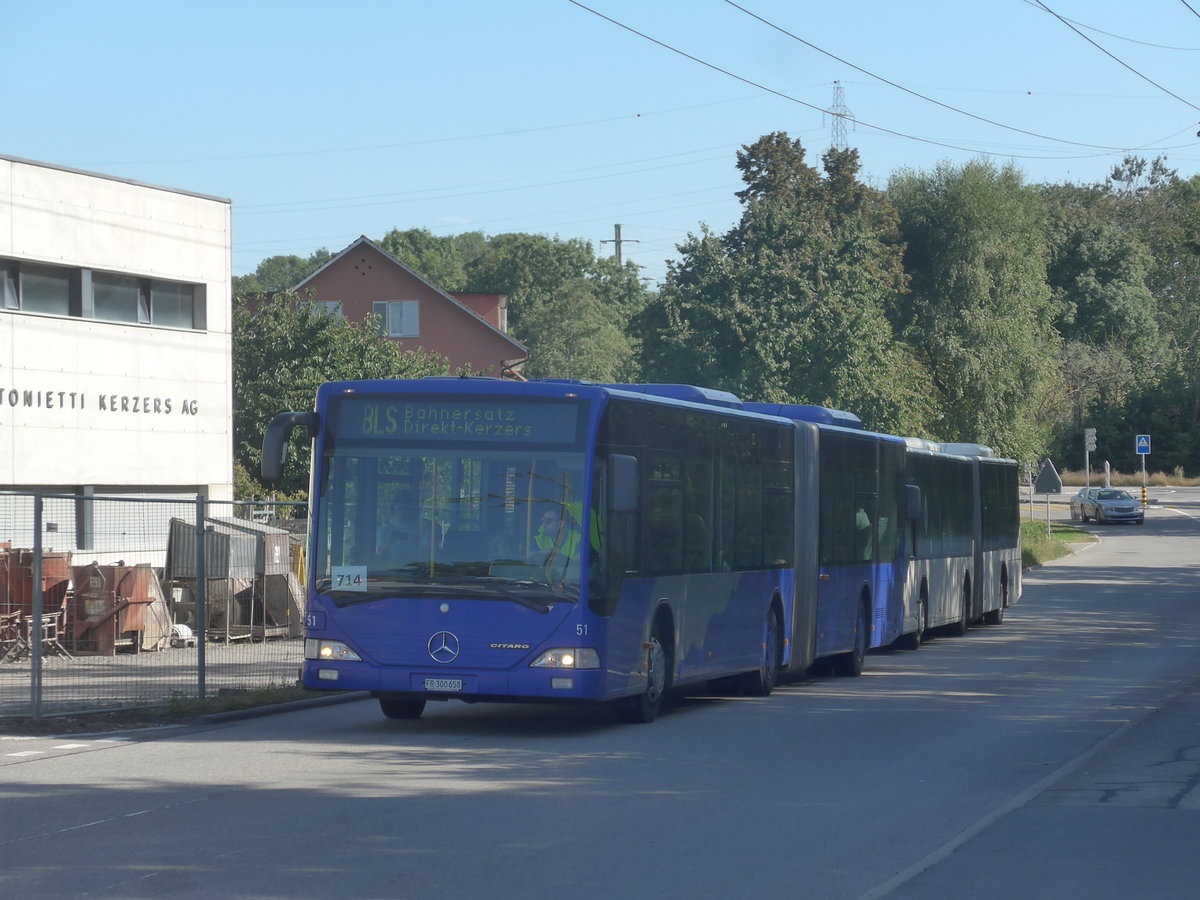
(1143, 444)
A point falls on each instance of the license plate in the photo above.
(447, 685)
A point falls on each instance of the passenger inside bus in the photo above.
(862, 525)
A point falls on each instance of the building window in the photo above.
(331, 308)
(398, 318)
(8, 285)
(45, 290)
(119, 298)
(171, 304)
(105, 296)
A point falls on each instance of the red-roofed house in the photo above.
(470, 330)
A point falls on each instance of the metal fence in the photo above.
(111, 602)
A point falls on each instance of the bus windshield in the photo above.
(451, 516)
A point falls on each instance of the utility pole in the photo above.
(618, 241)
(839, 113)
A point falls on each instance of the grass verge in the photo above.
(1038, 546)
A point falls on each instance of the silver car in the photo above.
(1077, 502)
(1112, 505)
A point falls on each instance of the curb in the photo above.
(255, 712)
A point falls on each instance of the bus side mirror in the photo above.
(622, 483)
(912, 502)
(275, 441)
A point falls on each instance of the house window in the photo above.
(398, 318)
(331, 308)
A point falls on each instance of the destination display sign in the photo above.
(442, 419)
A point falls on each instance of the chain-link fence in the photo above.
(109, 602)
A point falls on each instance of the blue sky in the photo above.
(322, 122)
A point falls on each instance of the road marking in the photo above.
(26, 753)
(67, 746)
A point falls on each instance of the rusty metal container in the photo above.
(16, 580)
(118, 606)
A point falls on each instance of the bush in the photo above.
(1134, 479)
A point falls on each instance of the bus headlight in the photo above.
(568, 658)
(335, 651)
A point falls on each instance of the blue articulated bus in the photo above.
(852, 510)
(481, 539)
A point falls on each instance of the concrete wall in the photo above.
(109, 404)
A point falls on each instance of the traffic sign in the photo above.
(1089, 439)
(1143, 444)
(1048, 480)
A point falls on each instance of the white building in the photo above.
(115, 344)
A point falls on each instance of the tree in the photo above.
(1163, 211)
(1104, 310)
(543, 277)
(283, 349)
(438, 260)
(789, 305)
(979, 316)
(280, 273)
(576, 339)
(529, 268)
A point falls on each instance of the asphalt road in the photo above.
(1055, 755)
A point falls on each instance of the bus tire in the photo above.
(645, 706)
(959, 628)
(914, 639)
(761, 682)
(996, 616)
(850, 664)
(401, 707)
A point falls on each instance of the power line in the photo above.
(1119, 37)
(1116, 58)
(913, 93)
(788, 97)
(461, 138)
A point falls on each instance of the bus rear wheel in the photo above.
(996, 616)
(850, 664)
(959, 628)
(401, 707)
(914, 639)
(761, 682)
(645, 706)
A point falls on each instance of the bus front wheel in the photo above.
(645, 706)
(401, 707)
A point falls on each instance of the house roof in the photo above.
(366, 241)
